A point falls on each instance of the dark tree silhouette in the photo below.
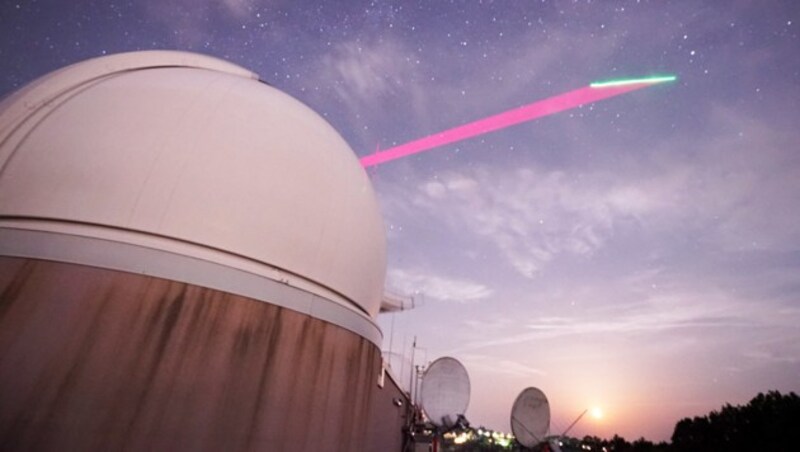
(768, 422)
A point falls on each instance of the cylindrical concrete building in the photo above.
(189, 260)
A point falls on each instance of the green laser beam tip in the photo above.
(633, 81)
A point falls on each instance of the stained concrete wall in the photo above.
(385, 428)
(93, 359)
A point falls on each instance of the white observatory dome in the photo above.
(150, 154)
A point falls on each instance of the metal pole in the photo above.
(412, 372)
(574, 422)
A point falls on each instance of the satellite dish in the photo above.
(445, 391)
(530, 417)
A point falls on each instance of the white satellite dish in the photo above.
(445, 391)
(530, 417)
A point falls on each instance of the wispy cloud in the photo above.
(364, 71)
(494, 324)
(479, 362)
(414, 282)
(193, 21)
(732, 190)
(535, 214)
(239, 8)
(696, 313)
(762, 356)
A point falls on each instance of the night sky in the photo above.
(641, 254)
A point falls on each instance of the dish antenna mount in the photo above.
(445, 392)
(530, 417)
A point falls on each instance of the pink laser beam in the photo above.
(535, 110)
